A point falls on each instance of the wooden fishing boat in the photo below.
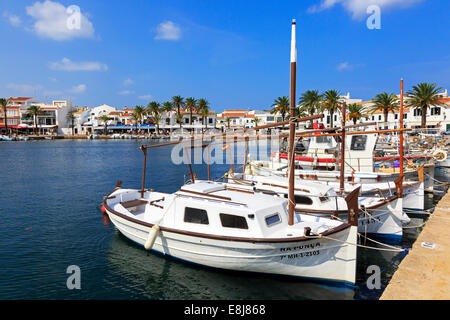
(206, 223)
(380, 217)
(371, 185)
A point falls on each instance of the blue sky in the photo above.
(233, 53)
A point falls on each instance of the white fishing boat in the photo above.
(207, 224)
(413, 191)
(321, 161)
(380, 217)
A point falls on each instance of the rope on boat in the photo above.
(440, 183)
(413, 227)
(394, 249)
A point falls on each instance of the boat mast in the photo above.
(401, 138)
(144, 150)
(292, 125)
(341, 179)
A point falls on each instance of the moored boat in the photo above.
(207, 224)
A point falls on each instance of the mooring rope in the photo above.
(318, 236)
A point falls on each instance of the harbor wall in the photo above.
(424, 274)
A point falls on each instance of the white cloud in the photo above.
(78, 89)
(358, 8)
(67, 65)
(125, 92)
(24, 88)
(14, 20)
(145, 97)
(168, 31)
(344, 66)
(55, 21)
(128, 82)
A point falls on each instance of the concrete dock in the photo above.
(424, 274)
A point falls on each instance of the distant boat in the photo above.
(6, 138)
(93, 136)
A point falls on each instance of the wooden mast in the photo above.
(144, 150)
(292, 125)
(341, 179)
(401, 151)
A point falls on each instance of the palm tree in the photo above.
(3, 104)
(34, 111)
(154, 108)
(104, 118)
(140, 112)
(310, 102)
(179, 118)
(228, 121)
(178, 102)
(423, 96)
(136, 119)
(203, 111)
(71, 118)
(331, 102)
(191, 104)
(386, 102)
(281, 106)
(166, 106)
(355, 112)
(256, 120)
(157, 118)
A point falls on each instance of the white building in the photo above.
(52, 118)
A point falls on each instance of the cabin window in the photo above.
(323, 140)
(194, 215)
(232, 221)
(273, 220)
(358, 143)
(303, 200)
(324, 199)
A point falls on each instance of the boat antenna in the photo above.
(292, 125)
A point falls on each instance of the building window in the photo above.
(417, 112)
(194, 215)
(436, 111)
(396, 116)
(405, 116)
(328, 119)
(210, 120)
(232, 221)
(270, 118)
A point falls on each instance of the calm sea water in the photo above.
(49, 197)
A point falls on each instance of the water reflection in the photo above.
(156, 277)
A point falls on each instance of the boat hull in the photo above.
(320, 259)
